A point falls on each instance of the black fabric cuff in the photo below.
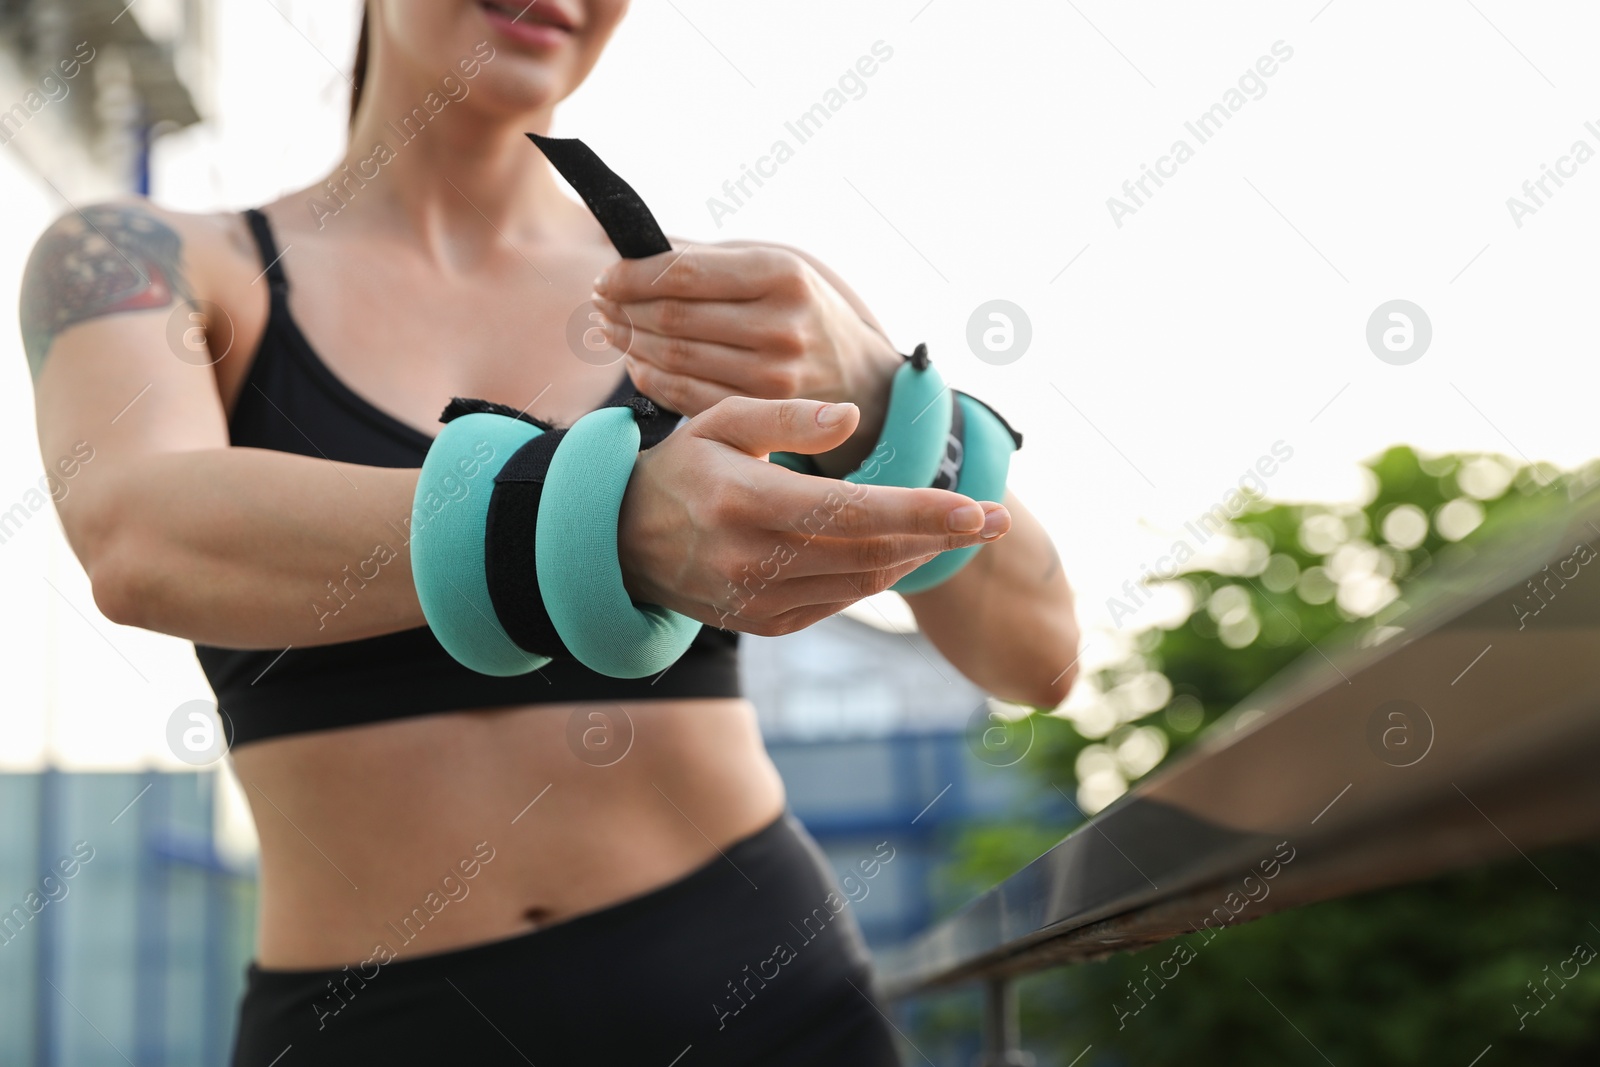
(510, 544)
(954, 451)
(509, 548)
(460, 406)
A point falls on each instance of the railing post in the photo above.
(1002, 1026)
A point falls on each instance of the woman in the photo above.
(554, 866)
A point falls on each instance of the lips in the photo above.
(538, 13)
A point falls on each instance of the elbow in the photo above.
(106, 540)
(120, 586)
(1058, 666)
(1053, 692)
(1061, 687)
(1059, 645)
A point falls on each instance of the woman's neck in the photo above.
(424, 160)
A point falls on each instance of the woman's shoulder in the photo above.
(193, 249)
(141, 221)
(129, 254)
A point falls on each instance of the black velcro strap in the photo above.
(656, 428)
(949, 476)
(531, 462)
(621, 212)
(510, 566)
(460, 406)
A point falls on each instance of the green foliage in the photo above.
(1423, 974)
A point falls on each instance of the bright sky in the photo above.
(1228, 313)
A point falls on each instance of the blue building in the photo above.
(880, 739)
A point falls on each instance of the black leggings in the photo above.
(751, 959)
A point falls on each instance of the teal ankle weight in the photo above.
(915, 426)
(470, 509)
(986, 447)
(576, 555)
(448, 527)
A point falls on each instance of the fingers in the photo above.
(828, 507)
(702, 272)
(741, 371)
(758, 427)
(822, 556)
(685, 394)
(776, 626)
(741, 324)
(773, 608)
(768, 550)
(785, 594)
(845, 526)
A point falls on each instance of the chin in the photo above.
(532, 53)
(546, 47)
(523, 88)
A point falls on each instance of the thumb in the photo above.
(758, 427)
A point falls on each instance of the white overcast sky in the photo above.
(1227, 314)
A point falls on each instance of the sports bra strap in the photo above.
(271, 259)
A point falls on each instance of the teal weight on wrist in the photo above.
(914, 430)
(986, 447)
(448, 525)
(795, 461)
(576, 555)
(911, 444)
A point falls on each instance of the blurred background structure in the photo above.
(1169, 350)
(90, 124)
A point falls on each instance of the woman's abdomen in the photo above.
(433, 833)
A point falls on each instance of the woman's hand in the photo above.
(711, 530)
(706, 323)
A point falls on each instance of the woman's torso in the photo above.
(359, 825)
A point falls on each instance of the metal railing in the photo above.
(1461, 731)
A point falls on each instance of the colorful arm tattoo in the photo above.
(104, 260)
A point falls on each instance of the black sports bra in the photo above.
(292, 402)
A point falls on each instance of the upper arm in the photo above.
(109, 329)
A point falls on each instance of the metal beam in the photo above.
(1463, 730)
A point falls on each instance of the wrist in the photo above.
(634, 582)
(871, 395)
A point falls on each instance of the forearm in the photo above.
(248, 548)
(1006, 619)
